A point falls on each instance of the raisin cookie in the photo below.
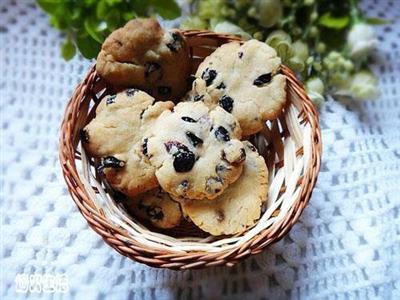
(245, 80)
(157, 207)
(141, 54)
(116, 136)
(239, 207)
(197, 152)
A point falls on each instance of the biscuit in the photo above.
(245, 80)
(239, 207)
(197, 152)
(142, 55)
(116, 136)
(157, 207)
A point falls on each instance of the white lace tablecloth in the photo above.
(345, 246)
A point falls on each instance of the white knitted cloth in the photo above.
(345, 246)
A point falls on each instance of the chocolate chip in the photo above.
(195, 140)
(219, 169)
(240, 54)
(84, 134)
(222, 134)
(209, 76)
(176, 43)
(164, 91)
(198, 98)
(226, 103)
(153, 69)
(184, 185)
(221, 86)
(112, 162)
(111, 99)
(242, 156)
(131, 92)
(144, 146)
(188, 119)
(263, 79)
(141, 114)
(155, 213)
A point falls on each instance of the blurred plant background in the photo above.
(327, 42)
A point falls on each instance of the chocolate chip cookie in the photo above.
(197, 152)
(244, 80)
(141, 54)
(239, 207)
(157, 207)
(116, 135)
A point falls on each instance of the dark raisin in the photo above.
(221, 86)
(222, 134)
(195, 140)
(198, 98)
(226, 103)
(240, 54)
(220, 215)
(209, 76)
(184, 159)
(251, 147)
(144, 146)
(176, 43)
(263, 79)
(155, 213)
(84, 134)
(131, 92)
(111, 99)
(112, 162)
(190, 79)
(141, 114)
(174, 144)
(184, 185)
(188, 119)
(164, 90)
(153, 69)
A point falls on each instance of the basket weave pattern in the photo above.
(290, 144)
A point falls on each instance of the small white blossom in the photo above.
(230, 28)
(315, 90)
(364, 86)
(269, 12)
(361, 40)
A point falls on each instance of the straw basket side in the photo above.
(291, 146)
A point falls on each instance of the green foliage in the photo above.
(87, 23)
(327, 20)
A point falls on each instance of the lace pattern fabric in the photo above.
(345, 246)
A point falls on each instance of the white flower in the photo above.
(364, 86)
(361, 40)
(269, 12)
(230, 28)
(315, 90)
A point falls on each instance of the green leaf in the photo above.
(93, 28)
(113, 19)
(167, 9)
(377, 21)
(68, 50)
(88, 46)
(49, 6)
(102, 9)
(329, 21)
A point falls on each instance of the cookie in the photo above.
(141, 54)
(156, 207)
(116, 135)
(239, 207)
(197, 152)
(244, 80)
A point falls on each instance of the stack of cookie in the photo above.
(189, 160)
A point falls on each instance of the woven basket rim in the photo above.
(116, 237)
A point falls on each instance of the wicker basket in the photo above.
(291, 146)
